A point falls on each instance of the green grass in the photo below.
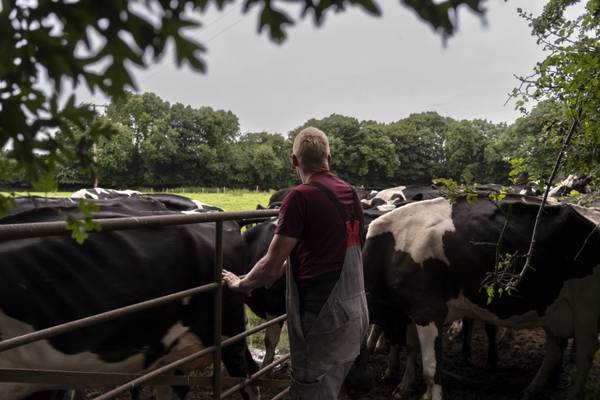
(257, 341)
(234, 200)
(42, 194)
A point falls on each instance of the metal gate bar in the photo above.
(105, 316)
(218, 315)
(79, 379)
(28, 230)
(254, 377)
(282, 394)
(171, 366)
(39, 229)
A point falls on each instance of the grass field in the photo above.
(232, 201)
(235, 200)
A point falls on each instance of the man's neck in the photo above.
(306, 175)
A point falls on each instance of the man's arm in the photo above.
(267, 270)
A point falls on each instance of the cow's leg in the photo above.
(552, 358)
(239, 363)
(357, 381)
(405, 388)
(393, 368)
(492, 356)
(467, 330)
(272, 335)
(430, 341)
(383, 345)
(375, 332)
(586, 338)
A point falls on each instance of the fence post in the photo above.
(217, 308)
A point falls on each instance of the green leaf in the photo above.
(45, 182)
(490, 294)
(80, 229)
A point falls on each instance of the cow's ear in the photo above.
(260, 207)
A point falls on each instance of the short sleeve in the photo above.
(291, 215)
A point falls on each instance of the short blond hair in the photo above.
(311, 147)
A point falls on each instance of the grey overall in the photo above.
(322, 356)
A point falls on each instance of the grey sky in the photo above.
(379, 69)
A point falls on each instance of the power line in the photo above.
(206, 41)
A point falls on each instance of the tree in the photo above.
(92, 43)
(465, 148)
(362, 153)
(420, 141)
(265, 161)
(147, 117)
(568, 76)
(115, 155)
(528, 143)
(468, 150)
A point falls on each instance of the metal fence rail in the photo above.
(156, 376)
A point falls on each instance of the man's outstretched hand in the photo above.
(233, 282)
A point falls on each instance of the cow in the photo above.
(383, 197)
(427, 261)
(578, 183)
(171, 201)
(51, 280)
(104, 194)
(409, 194)
(388, 199)
(266, 303)
(527, 189)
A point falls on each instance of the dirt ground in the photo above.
(519, 359)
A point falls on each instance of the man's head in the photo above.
(310, 151)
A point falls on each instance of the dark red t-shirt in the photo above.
(309, 215)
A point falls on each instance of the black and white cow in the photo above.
(51, 280)
(526, 189)
(572, 182)
(104, 194)
(171, 201)
(266, 303)
(427, 261)
(383, 200)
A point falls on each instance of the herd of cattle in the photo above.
(424, 260)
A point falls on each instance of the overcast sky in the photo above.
(370, 68)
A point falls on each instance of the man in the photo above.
(319, 233)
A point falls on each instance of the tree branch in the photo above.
(545, 198)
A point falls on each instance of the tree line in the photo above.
(160, 145)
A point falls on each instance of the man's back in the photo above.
(309, 215)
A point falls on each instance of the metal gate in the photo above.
(157, 376)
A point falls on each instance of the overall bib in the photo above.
(322, 356)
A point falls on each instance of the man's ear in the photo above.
(295, 162)
(329, 160)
